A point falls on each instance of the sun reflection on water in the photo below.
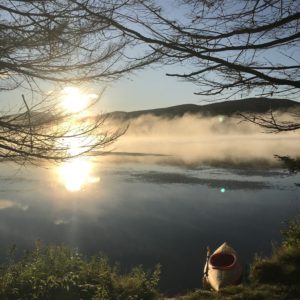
(76, 174)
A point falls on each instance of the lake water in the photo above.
(147, 213)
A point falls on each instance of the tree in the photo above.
(55, 42)
(48, 134)
(227, 48)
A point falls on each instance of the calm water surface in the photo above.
(146, 213)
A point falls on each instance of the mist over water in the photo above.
(192, 141)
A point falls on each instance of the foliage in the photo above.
(283, 267)
(58, 272)
(291, 235)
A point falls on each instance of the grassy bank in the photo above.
(60, 273)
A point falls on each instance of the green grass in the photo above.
(57, 272)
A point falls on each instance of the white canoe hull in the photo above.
(223, 268)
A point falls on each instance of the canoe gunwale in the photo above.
(225, 267)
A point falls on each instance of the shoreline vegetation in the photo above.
(58, 272)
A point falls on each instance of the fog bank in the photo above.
(193, 141)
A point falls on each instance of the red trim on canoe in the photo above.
(223, 261)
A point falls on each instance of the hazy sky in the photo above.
(144, 89)
(148, 89)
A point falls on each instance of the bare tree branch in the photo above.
(229, 48)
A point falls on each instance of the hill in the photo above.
(226, 108)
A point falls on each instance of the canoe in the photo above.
(222, 268)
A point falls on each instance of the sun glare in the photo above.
(75, 174)
(74, 101)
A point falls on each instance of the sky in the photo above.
(147, 89)
(143, 89)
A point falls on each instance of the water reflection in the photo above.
(159, 177)
(77, 173)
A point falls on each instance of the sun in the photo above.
(73, 100)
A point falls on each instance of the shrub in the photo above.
(58, 272)
(291, 235)
(283, 267)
